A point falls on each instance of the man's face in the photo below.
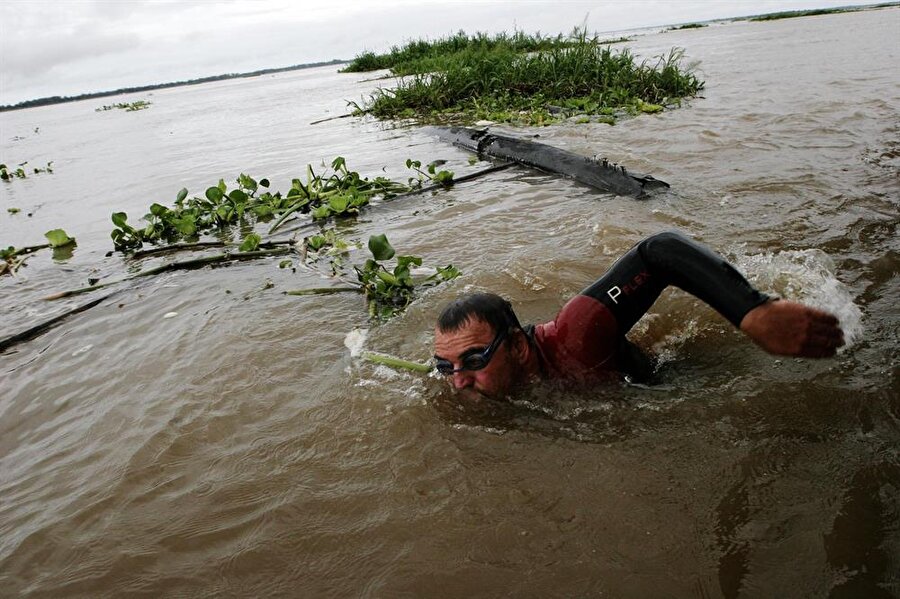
(496, 379)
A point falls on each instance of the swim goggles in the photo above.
(473, 360)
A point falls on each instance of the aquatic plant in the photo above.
(418, 56)
(687, 26)
(12, 258)
(501, 84)
(338, 192)
(8, 174)
(58, 238)
(388, 291)
(126, 106)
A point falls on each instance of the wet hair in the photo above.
(489, 307)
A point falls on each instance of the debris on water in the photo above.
(82, 350)
(170, 314)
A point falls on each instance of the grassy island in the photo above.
(523, 79)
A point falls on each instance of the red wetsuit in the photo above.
(586, 340)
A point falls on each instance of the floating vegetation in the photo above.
(59, 239)
(8, 173)
(504, 84)
(792, 14)
(424, 56)
(388, 291)
(12, 258)
(126, 106)
(687, 26)
(337, 192)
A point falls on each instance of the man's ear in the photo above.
(520, 345)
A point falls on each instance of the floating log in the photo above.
(600, 174)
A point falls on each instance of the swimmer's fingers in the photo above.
(820, 346)
(828, 333)
(792, 329)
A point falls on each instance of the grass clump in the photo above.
(421, 56)
(580, 75)
(687, 26)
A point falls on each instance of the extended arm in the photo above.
(635, 281)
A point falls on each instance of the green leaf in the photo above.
(58, 238)
(251, 243)
(320, 212)
(181, 195)
(284, 263)
(185, 225)
(388, 278)
(339, 203)
(238, 196)
(337, 163)
(247, 182)
(158, 209)
(405, 261)
(380, 247)
(214, 194)
(118, 219)
(315, 242)
(264, 183)
(444, 178)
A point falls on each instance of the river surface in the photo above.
(236, 448)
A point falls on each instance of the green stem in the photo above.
(395, 362)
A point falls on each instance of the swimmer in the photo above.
(480, 346)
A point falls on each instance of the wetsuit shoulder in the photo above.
(581, 342)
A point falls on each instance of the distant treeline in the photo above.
(143, 88)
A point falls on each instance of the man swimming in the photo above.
(480, 345)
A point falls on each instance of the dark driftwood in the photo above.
(600, 174)
(183, 265)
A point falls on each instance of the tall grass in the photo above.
(496, 82)
(419, 56)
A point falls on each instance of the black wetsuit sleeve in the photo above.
(636, 280)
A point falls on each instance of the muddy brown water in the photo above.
(236, 449)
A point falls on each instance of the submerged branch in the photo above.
(332, 118)
(184, 265)
(36, 330)
(29, 249)
(323, 290)
(201, 245)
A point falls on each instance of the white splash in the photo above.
(805, 276)
(170, 314)
(355, 341)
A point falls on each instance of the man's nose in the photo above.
(463, 379)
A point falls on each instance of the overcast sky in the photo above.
(69, 47)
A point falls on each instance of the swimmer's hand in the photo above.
(792, 329)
